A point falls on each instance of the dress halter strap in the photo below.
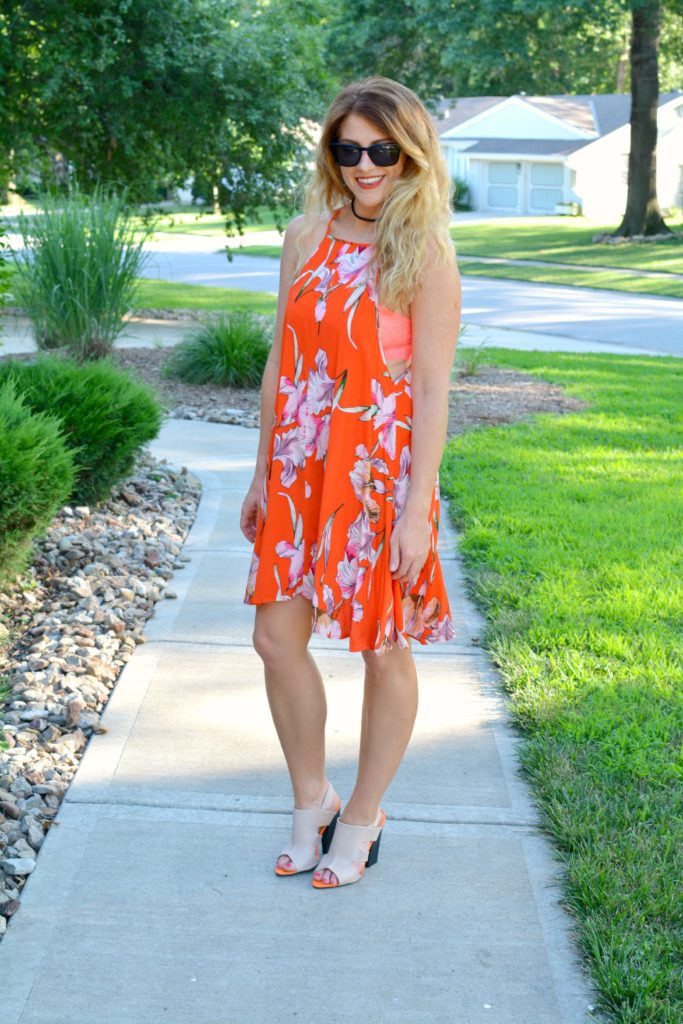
(329, 223)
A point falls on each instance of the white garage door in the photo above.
(502, 191)
(545, 187)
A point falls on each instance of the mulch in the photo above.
(490, 395)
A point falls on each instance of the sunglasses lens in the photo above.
(346, 154)
(384, 154)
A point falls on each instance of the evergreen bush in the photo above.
(37, 474)
(107, 415)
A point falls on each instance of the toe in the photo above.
(285, 861)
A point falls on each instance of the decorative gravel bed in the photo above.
(67, 628)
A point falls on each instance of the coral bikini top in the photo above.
(395, 329)
(395, 334)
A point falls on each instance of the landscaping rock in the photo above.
(77, 615)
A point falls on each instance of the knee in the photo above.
(265, 641)
(378, 670)
(274, 642)
(385, 668)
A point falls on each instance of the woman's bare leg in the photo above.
(296, 696)
(390, 702)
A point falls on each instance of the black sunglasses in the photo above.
(382, 154)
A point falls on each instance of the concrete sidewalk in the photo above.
(154, 899)
(146, 332)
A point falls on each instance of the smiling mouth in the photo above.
(370, 181)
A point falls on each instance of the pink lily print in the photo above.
(325, 623)
(295, 551)
(353, 269)
(290, 451)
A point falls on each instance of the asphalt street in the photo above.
(621, 320)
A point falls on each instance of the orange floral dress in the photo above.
(338, 467)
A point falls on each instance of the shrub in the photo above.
(231, 351)
(76, 275)
(37, 474)
(461, 194)
(4, 268)
(107, 415)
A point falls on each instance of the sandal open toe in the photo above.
(353, 848)
(312, 831)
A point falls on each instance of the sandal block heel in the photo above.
(374, 852)
(353, 849)
(328, 832)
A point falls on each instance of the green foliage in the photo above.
(77, 273)
(230, 351)
(147, 94)
(497, 47)
(5, 274)
(36, 477)
(461, 194)
(570, 534)
(106, 414)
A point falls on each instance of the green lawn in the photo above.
(566, 240)
(573, 548)
(152, 294)
(555, 239)
(577, 278)
(182, 220)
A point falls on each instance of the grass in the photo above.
(578, 278)
(194, 221)
(555, 239)
(152, 294)
(571, 538)
(566, 240)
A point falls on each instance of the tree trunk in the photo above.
(643, 215)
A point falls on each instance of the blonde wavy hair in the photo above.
(416, 213)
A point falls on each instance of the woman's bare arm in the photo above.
(435, 311)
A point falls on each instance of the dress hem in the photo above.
(384, 648)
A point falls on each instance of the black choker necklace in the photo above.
(353, 210)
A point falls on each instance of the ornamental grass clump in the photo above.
(76, 275)
(230, 351)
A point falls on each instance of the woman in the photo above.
(343, 509)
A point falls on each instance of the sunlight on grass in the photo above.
(566, 240)
(572, 543)
(153, 294)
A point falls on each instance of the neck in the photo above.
(359, 207)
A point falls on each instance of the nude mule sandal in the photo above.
(311, 829)
(353, 848)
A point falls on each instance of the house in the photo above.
(534, 154)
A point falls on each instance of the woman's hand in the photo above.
(250, 506)
(409, 546)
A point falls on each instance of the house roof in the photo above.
(537, 147)
(596, 112)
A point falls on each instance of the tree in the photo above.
(643, 215)
(141, 94)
